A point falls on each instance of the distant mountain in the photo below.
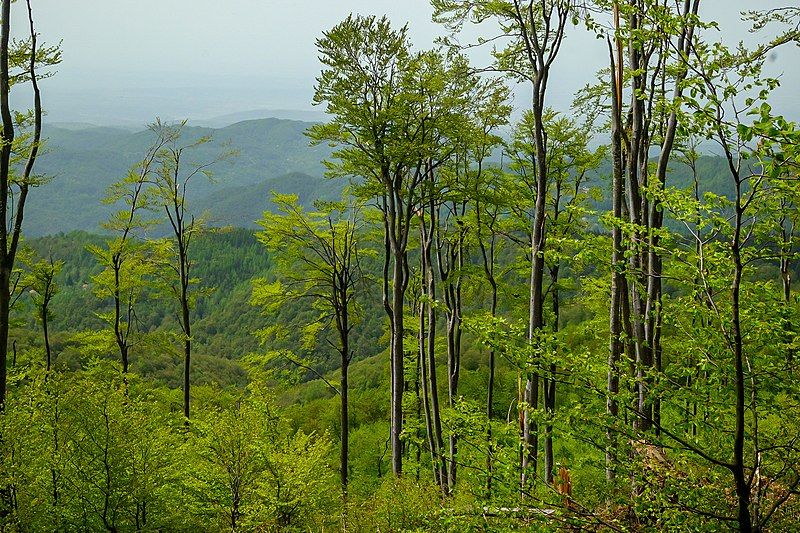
(242, 206)
(289, 114)
(84, 160)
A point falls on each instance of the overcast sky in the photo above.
(127, 61)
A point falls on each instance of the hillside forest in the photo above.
(431, 311)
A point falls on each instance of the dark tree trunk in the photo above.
(617, 262)
(6, 261)
(397, 216)
(423, 364)
(119, 335)
(429, 278)
(550, 385)
(183, 258)
(397, 363)
(345, 416)
(187, 356)
(46, 335)
(738, 467)
(13, 213)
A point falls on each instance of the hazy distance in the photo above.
(128, 61)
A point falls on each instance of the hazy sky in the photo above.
(126, 61)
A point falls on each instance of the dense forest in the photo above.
(475, 320)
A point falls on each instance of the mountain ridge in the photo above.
(83, 161)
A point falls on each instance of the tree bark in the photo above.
(6, 261)
(617, 285)
(550, 384)
(433, 385)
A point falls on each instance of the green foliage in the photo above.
(90, 450)
(247, 471)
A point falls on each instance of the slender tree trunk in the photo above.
(8, 213)
(656, 215)
(118, 334)
(430, 282)
(345, 416)
(396, 225)
(636, 159)
(186, 326)
(450, 262)
(187, 360)
(423, 364)
(397, 364)
(46, 335)
(423, 370)
(490, 399)
(738, 467)
(550, 385)
(617, 280)
(535, 319)
(6, 262)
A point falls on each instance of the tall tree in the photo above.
(319, 257)
(126, 256)
(365, 60)
(173, 176)
(17, 65)
(392, 114)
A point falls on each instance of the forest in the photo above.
(480, 318)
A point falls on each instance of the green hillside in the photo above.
(82, 163)
(226, 261)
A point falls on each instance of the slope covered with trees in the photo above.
(272, 154)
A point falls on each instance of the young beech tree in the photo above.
(570, 160)
(43, 287)
(444, 232)
(173, 174)
(318, 256)
(19, 63)
(654, 39)
(126, 258)
(364, 65)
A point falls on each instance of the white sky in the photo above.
(130, 60)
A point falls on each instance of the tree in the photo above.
(173, 175)
(657, 39)
(126, 258)
(319, 257)
(17, 65)
(726, 87)
(43, 287)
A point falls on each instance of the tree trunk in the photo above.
(430, 282)
(490, 399)
(398, 379)
(535, 318)
(345, 417)
(617, 285)
(46, 336)
(118, 334)
(187, 357)
(185, 323)
(423, 364)
(738, 467)
(550, 386)
(6, 262)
